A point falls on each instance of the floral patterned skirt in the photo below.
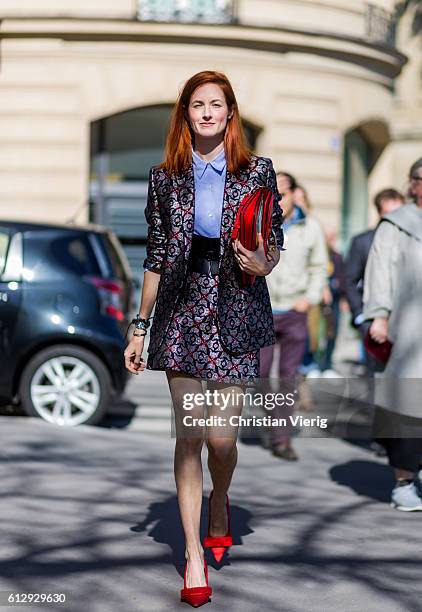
(192, 344)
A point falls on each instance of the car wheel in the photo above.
(65, 385)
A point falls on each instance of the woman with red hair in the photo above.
(207, 325)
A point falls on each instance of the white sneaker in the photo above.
(331, 374)
(314, 373)
(406, 498)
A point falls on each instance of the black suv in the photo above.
(65, 297)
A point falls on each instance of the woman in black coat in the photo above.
(206, 325)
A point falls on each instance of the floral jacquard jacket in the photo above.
(244, 316)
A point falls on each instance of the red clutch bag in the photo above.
(254, 216)
(380, 351)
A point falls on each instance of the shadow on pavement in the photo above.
(74, 502)
(120, 413)
(166, 530)
(367, 478)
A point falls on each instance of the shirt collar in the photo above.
(298, 216)
(218, 163)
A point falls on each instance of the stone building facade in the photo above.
(86, 88)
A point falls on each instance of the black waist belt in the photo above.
(204, 255)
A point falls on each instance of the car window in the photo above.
(4, 245)
(59, 253)
(116, 256)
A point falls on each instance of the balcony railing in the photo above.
(380, 26)
(187, 11)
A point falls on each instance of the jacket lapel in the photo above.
(235, 189)
(184, 186)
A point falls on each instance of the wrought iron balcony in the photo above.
(380, 25)
(187, 11)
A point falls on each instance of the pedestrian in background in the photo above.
(294, 285)
(392, 304)
(199, 332)
(301, 198)
(385, 202)
(334, 292)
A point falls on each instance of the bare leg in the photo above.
(188, 472)
(222, 454)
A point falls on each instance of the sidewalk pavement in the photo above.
(92, 512)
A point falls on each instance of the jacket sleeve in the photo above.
(355, 268)
(277, 218)
(156, 238)
(379, 272)
(317, 264)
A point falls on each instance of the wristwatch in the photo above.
(141, 325)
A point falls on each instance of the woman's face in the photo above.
(208, 111)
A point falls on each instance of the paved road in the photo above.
(93, 512)
(145, 407)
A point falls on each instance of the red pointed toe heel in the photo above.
(218, 544)
(196, 596)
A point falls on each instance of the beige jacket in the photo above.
(303, 266)
(393, 289)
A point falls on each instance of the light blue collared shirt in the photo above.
(210, 178)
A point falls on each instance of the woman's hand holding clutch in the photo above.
(256, 262)
(379, 329)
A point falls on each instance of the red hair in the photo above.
(178, 154)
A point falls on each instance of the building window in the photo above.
(188, 11)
